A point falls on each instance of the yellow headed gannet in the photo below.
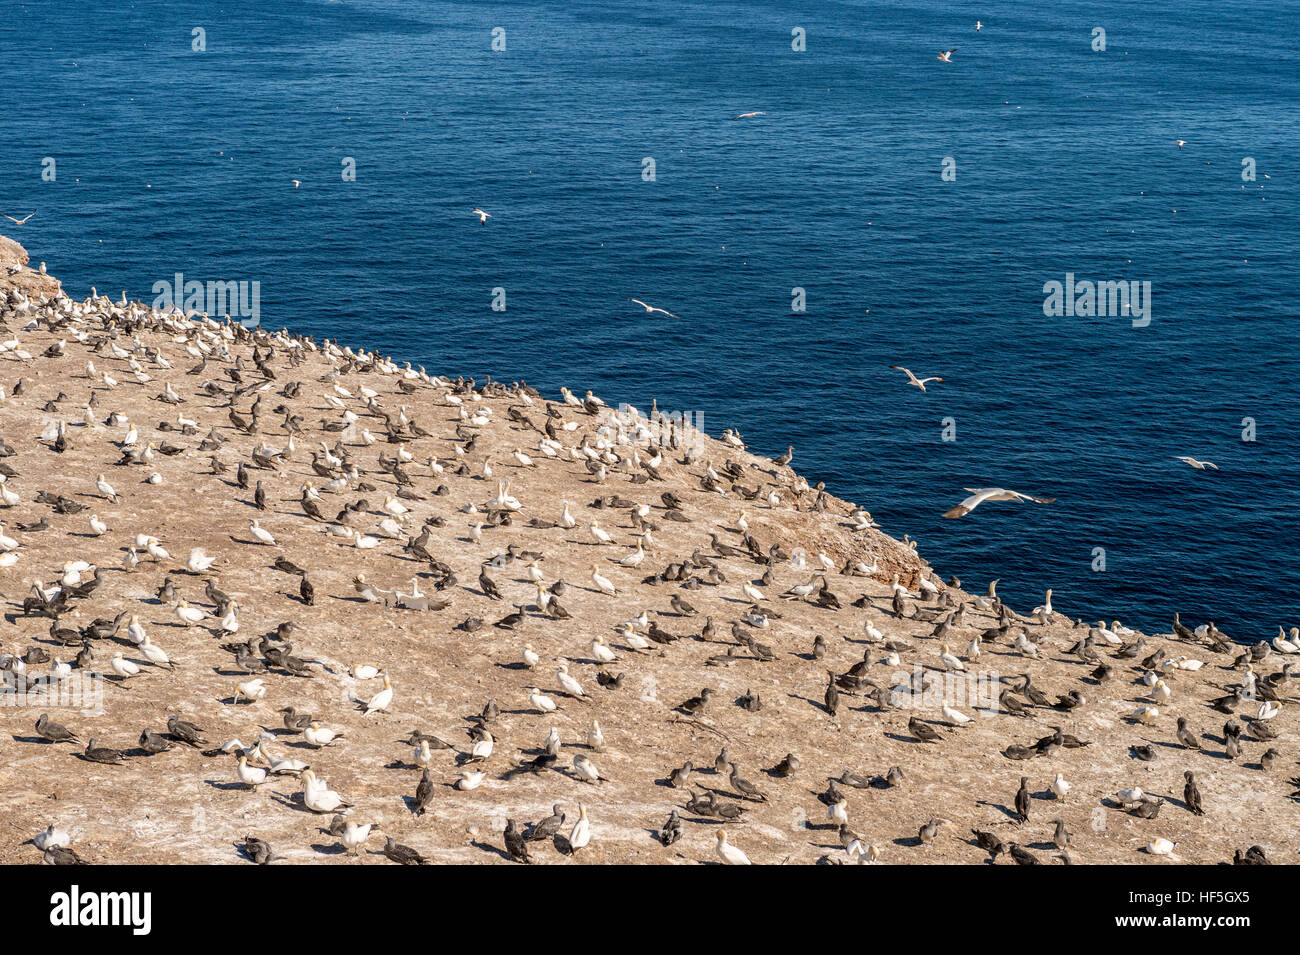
(981, 494)
(729, 854)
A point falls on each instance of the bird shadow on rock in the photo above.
(227, 787)
(910, 841)
(294, 801)
(33, 739)
(815, 704)
(1010, 814)
(488, 847)
(903, 738)
(330, 849)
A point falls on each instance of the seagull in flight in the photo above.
(946, 55)
(1199, 465)
(912, 379)
(23, 220)
(651, 308)
(981, 494)
(482, 216)
(757, 112)
(1181, 143)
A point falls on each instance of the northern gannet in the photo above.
(729, 854)
(981, 494)
(911, 378)
(651, 308)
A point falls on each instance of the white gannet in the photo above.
(251, 776)
(652, 309)
(319, 735)
(567, 682)
(380, 700)
(912, 379)
(1199, 465)
(580, 834)
(123, 667)
(51, 837)
(751, 114)
(729, 854)
(981, 494)
(23, 220)
(198, 561)
(317, 796)
(470, 780)
(946, 55)
(585, 769)
(601, 651)
(251, 690)
(602, 582)
(541, 700)
(261, 533)
(482, 216)
(354, 836)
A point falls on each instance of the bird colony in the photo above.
(341, 610)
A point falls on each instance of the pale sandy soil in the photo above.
(181, 806)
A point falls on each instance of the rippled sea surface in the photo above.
(173, 160)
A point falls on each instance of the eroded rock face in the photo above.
(15, 274)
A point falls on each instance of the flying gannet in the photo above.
(651, 308)
(912, 379)
(981, 494)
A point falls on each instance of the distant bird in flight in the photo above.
(1181, 143)
(757, 112)
(946, 55)
(978, 25)
(912, 379)
(23, 220)
(651, 308)
(296, 182)
(981, 494)
(1199, 465)
(482, 216)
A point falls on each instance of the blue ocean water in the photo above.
(173, 160)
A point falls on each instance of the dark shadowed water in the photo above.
(174, 160)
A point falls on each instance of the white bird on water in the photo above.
(650, 309)
(981, 494)
(912, 379)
